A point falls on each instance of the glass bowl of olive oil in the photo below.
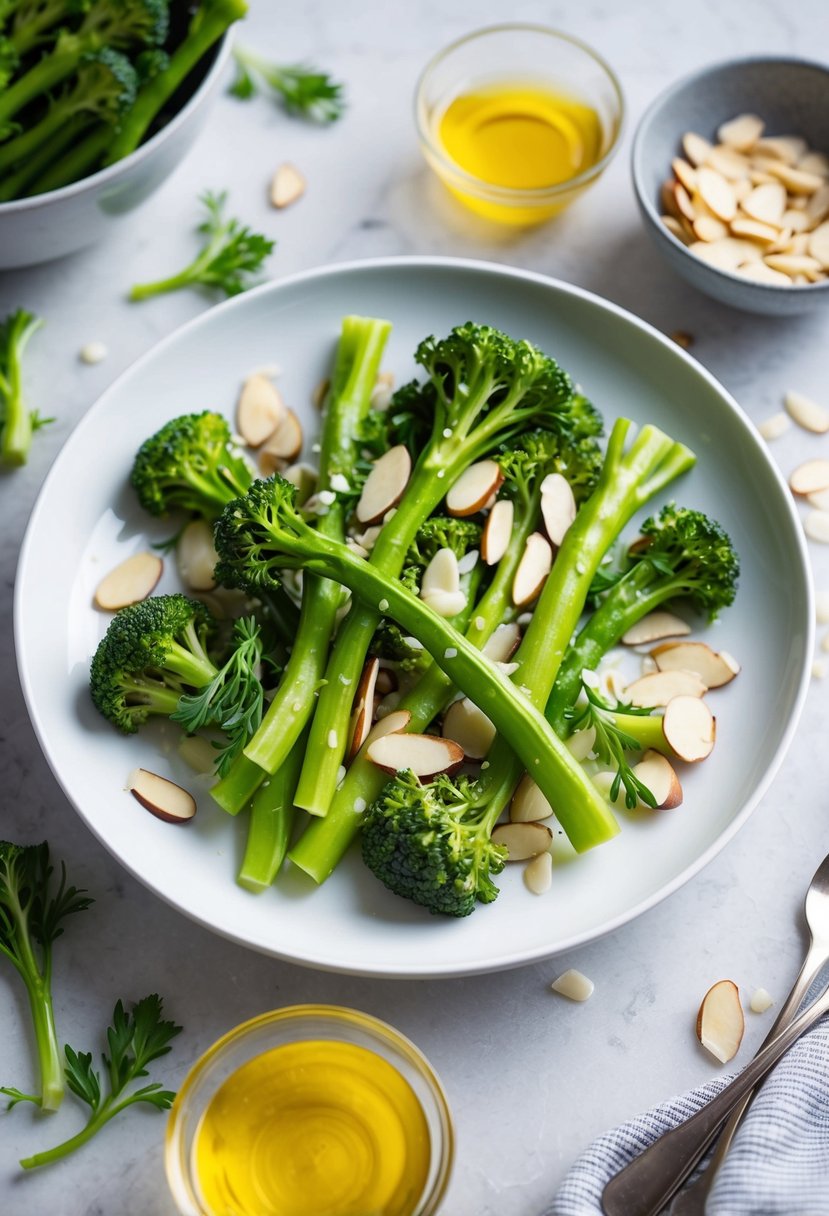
(310, 1109)
(518, 120)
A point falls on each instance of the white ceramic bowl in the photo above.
(49, 226)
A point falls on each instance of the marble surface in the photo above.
(531, 1078)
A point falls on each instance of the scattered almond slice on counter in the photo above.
(130, 582)
(689, 727)
(503, 643)
(657, 773)
(713, 669)
(662, 687)
(470, 728)
(283, 445)
(393, 723)
(822, 607)
(474, 488)
(533, 568)
(654, 627)
(523, 840)
(196, 556)
(425, 755)
(385, 485)
(742, 132)
(363, 711)
(774, 426)
(816, 526)
(818, 669)
(538, 874)
(574, 985)
(161, 797)
(806, 412)
(287, 185)
(760, 1001)
(528, 804)
(558, 506)
(259, 410)
(810, 477)
(720, 1021)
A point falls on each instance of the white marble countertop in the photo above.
(531, 1078)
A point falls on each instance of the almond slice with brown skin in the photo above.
(497, 531)
(196, 556)
(690, 728)
(810, 477)
(657, 774)
(523, 840)
(425, 755)
(441, 574)
(716, 193)
(363, 711)
(287, 185)
(720, 1021)
(385, 485)
(130, 582)
(259, 410)
(695, 148)
(469, 727)
(661, 687)
(392, 724)
(284, 444)
(696, 657)
(558, 506)
(161, 797)
(503, 643)
(528, 803)
(654, 627)
(742, 132)
(533, 568)
(474, 488)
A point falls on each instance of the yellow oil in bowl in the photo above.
(516, 135)
(312, 1128)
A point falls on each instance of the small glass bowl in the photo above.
(291, 1025)
(517, 52)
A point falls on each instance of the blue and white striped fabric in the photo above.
(778, 1164)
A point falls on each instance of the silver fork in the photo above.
(647, 1184)
(692, 1201)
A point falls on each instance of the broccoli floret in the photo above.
(190, 464)
(538, 453)
(430, 844)
(17, 421)
(152, 653)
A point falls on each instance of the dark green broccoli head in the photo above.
(537, 453)
(259, 535)
(694, 554)
(106, 85)
(190, 464)
(151, 654)
(442, 532)
(151, 63)
(128, 23)
(427, 844)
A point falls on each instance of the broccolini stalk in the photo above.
(360, 350)
(484, 389)
(77, 162)
(263, 534)
(17, 422)
(31, 911)
(16, 184)
(34, 19)
(270, 822)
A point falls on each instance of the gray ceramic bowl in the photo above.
(792, 96)
(51, 225)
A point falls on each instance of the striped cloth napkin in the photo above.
(778, 1164)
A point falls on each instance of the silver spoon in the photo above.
(644, 1186)
(692, 1200)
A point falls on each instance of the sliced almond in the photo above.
(573, 985)
(469, 727)
(528, 803)
(690, 728)
(363, 710)
(662, 686)
(695, 148)
(795, 180)
(131, 581)
(445, 603)
(683, 204)
(657, 774)
(696, 657)
(806, 412)
(538, 874)
(720, 1021)
(675, 227)
(791, 263)
(503, 643)
(685, 173)
(385, 485)
(196, 556)
(287, 185)
(816, 526)
(810, 477)
(709, 228)
(581, 744)
(759, 272)
(391, 724)
(727, 254)
(441, 574)
(497, 531)
(533, 568)
(753, 230)
(820, 500)
(425, 755)
(817, 207)
(161, 797)
(785, 148)
(558, 506)
(766, 203)
(760, 1001)
(259, 410)
(729, 163)
(795, 221)
(523, 840)
(741, 133)
(815, 162)
(473, 488)
(716, 193)
(818, 245)
(284, 444)
(654, 627)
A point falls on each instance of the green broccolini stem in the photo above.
(362, 342)
(270, 823)
(48, 72)
(14, 185)
(77, 163)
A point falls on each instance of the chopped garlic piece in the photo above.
(760, 1001)
(573, 985)
(93, 352)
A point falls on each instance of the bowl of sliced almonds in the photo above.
(731, 172)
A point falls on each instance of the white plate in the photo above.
(86, 521)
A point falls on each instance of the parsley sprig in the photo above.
(302, 90)
(612, 744)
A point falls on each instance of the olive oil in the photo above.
(519, 135)
(313, 1128)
